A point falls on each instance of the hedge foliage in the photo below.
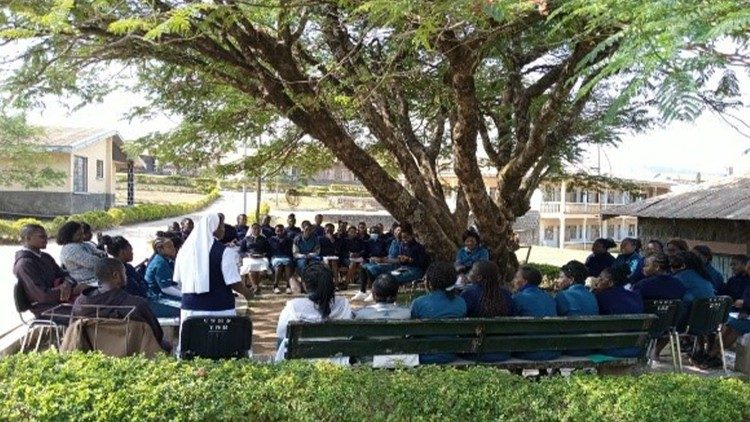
(113, 217)
(84, 387)
(199, 184)
(550, 273)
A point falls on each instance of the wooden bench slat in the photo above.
(473, 326)
(509, 343)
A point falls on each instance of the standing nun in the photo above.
(208, 272)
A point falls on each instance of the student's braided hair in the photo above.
(441, 275)
(115, 244)
(318, 281)
(493, 302)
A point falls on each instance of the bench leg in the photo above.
(721, 349)
(679, 352)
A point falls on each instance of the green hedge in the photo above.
(550, 273)
(100, 220)
(82, 387)
(201, 184)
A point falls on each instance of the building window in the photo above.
(99, 169)
(631, 230)
(80, 174)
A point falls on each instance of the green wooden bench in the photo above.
(359, 339)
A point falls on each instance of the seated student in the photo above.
(410, 255)
(659, 283)
(266, 228)
(574, 298)
(98, 302)
(306, 247)
(44, 283)
(392, 233)
(160, 270)
(353, 252)
(281, 259)
(736, 327)
(329, 252)
(321, 304)
(652, 248)
(241, 228)
(207, 271)
(186, 227)
(737, 284)
(230, 233)
(688, 268)
(119, 248)
(600, 257)
(292, 230)
(319, 229)
(76, 257)
(486, 298)
(630, 257)
(472, 251)
(706, 256)
(378, 265)
(614, 299)
(532, 301)
(88, 235)
(255, 250)
(377, 255)
(440, 303)
(385, 292)
(674, 246)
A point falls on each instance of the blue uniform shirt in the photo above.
(635, 263)
(437, 305)
(660, 287)
(159, 274)
(281, 246)
(616, 301)
(735, 286)
(576, 300)
(697, 286)
(467, 258)
(717, 279)
(532, 301)
(473, 293)
(597, 263)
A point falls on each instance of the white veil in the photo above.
(191, 265)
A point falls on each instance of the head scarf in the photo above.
(191, 265)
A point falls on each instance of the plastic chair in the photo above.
(40, 327)
(216, 337)
(707, 316)
(668, 313)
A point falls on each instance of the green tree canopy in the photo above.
(24, 163)
(516, 85)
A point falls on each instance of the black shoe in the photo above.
(699, 357)
(712, 363)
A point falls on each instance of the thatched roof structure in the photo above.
(726, 199)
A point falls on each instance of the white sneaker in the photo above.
(276, 290)
(288, 291)
(369, 298)
(360, 296)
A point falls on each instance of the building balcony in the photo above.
(574, 208)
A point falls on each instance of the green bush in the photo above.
(549, 273)
(84, 387)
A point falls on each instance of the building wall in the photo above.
(97, 151)
(58, 161)
(52, 204)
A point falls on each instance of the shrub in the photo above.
(549, 273)
(84, 387)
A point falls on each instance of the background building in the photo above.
(87, 157)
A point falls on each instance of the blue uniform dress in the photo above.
(467, 258)
(306, 246)
(137, 286)
(596, 263)
(415, 269)
(660, 287)
(576, 300)
(619, 301)
(697, 287)
(473, 294)
(241, 231)
(281, 251)
(531, 301)
(717, 279)
(159, 275)
(437, 305)
(635, 263)
(268, 231)
(219, 296)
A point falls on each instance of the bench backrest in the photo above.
(216, 337)
(708, 314)
(475, 335)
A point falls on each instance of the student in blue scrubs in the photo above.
(630, 257)
(532, 301)
(574, 297)
(614, 299)
(472, 251)
(659, 283)
(706, 256)
(600, 257)
(441, 302)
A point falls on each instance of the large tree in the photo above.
(515, 86)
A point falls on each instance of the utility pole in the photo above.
(244, 186)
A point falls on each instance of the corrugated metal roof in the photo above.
(68, 139)
(725, 199)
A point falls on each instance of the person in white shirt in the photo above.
(321, 304)
(385, 292)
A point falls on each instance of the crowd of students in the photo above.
(196, 269)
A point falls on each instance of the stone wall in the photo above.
(51, 204)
